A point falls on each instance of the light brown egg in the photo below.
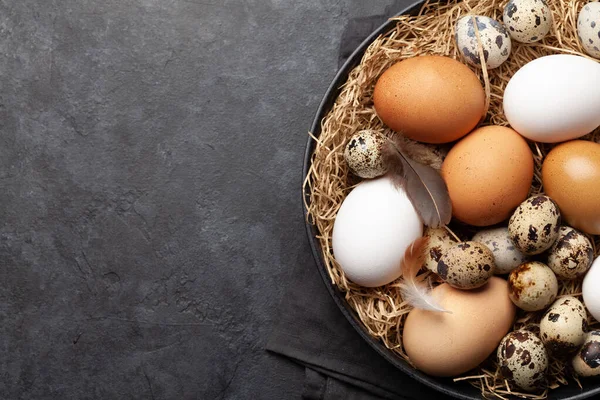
(488, 173)
(571, 176)
(444, 344)
(430, 99)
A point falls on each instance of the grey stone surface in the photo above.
(150, 173)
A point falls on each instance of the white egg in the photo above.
(588, 28)
(495, 41)
(554, 98)
(527, 21)
(591, 289)
(374, 226)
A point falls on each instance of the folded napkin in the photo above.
(312, 331)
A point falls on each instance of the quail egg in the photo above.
(495, 40)
(466, 265)
(571, 255)
(363, 154)
(527, 21)
(588, 28)
(587, 360)
(563, 326)
(439, 241)
(506, 256)
(532, 286)
(523, 360)
(534, 225)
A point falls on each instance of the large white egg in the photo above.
(591, 289)
(554, 98)
(373, 228)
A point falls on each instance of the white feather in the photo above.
(419, 296)
(413, 290)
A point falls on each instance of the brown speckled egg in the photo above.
(431, 99)
(588, 28)
(527, 21)
(587, 360)
(523, 360)
(571, 255)
(571, 176)
(363, 154)
(563, 326)
(493, 38)
(532, 286)
(466, 265)
(488, 174)
(439, 241)
(506, 256)
(534, 225)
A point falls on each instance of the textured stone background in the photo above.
(150, 172)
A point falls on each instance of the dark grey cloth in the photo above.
(358, 29)
(312, 331)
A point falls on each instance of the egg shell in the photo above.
(554, 98)
(523, 360)
(431, 99)
(372, 229)
(495, 41)
(591, 289)
(506, 256)
(527, 21)
(571, 176)
(571, 255)
(563, 326)
(532, 286)
(444, 344)
(488, 174)
(534, 226)
(586, 362)
(466, 265)
(439, 241)
(588, 28)
(363, 153)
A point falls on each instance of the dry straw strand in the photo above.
(382, 310)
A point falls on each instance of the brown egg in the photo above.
(488, 173)
(444, 344)
(430, 99)
(571, 176)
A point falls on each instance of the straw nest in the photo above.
(382, 310)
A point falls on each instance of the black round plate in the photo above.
(447, 386)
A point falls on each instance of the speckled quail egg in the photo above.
(494, 40)
(506, 256)
(363, 154)
(523, 360)
(527, 21)
(440, 240)
(571, 255)
(587, 360)
(466, 265)
(563, 326)
(588, 28)
(534, 225)
(532, 286)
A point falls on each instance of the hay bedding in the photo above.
(382, 310)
